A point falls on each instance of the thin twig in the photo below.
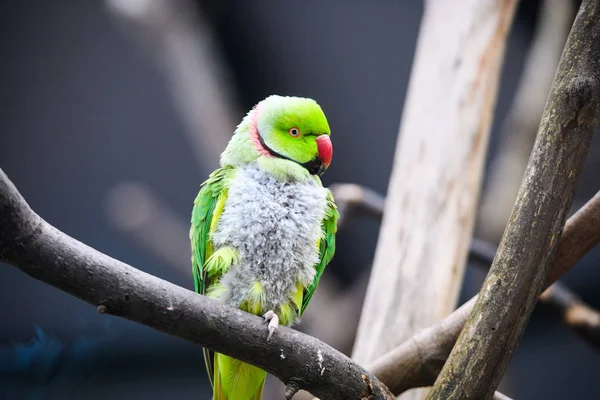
(526, 253)
(418, 361)
(580, 317)
(43, 252)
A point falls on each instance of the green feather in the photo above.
(232, 379)
(212, 193)
(237, 380)
(208, 207)
(326, 247)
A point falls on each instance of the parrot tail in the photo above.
(236, 380)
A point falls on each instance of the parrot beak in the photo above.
(319, 164)
(325, 152)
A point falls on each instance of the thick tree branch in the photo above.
(527, 250)
(434, 186)
(580, 317)
(45, 253)
(418, 361)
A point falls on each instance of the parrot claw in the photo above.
(273, 322)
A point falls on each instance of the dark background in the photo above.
(84, 108)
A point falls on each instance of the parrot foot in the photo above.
(273, 322)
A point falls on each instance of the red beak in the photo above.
(325, 149)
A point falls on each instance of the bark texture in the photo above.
(418, 361)
(435, 182)
(45, 253)
(526, 252)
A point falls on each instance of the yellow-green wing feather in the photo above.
(208, 207)
(326, 247)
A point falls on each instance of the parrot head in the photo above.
(285, 133)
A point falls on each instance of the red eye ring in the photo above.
(294, 132)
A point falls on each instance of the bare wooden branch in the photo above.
(580, 317)
(527, 250)
(418, 361)
(521, 124)
(45, 253)
(581, 234)
(437, 172)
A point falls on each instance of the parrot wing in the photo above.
(326, 247)
(208, 207)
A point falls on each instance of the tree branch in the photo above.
(418, 361)
(358, 200)
(434, 186)
(43, 252)
(581, 318)
(527, 250)
(352, 199)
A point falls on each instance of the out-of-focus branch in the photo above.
(418, 361)
(520, 127)
(301, 361)
(580, 317)
(136, 210)
(341, 310)
(528, 247)
(182, 44)
(434, 186)
(500, 396)
(584, 320)
(352, 200)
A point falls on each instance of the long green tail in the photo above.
(236, 380)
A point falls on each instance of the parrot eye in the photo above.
(294, 132)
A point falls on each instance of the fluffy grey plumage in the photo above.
(275, 226)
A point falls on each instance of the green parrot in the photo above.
(263, 226)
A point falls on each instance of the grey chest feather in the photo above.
(275, 226)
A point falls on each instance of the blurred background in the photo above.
(113, 113)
